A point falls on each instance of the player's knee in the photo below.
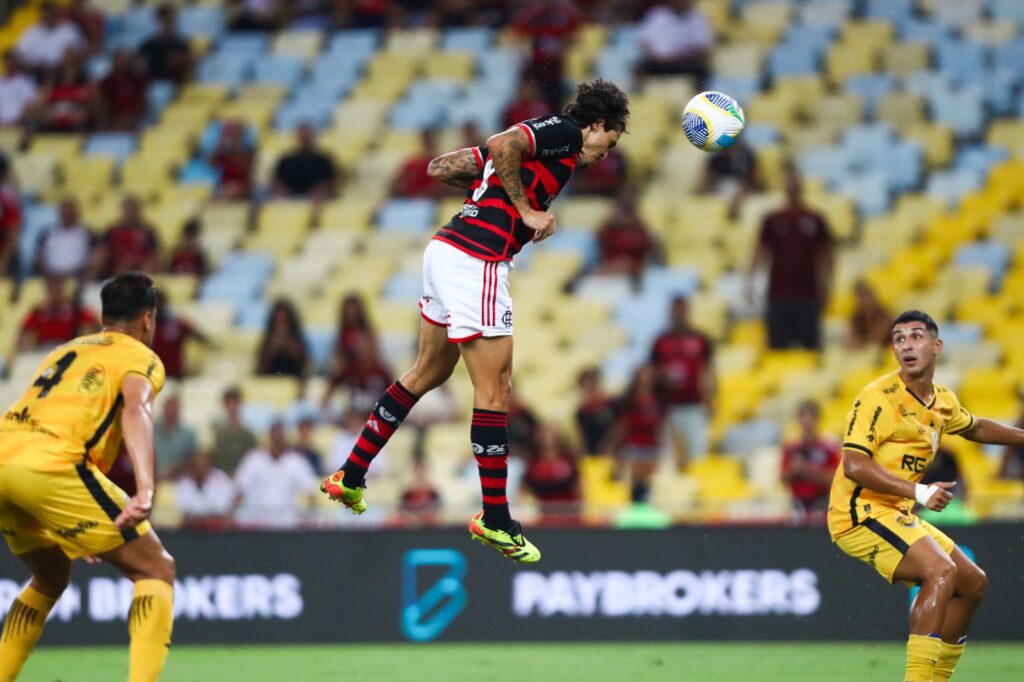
(495, 396)
(942, 572)
(978, 584)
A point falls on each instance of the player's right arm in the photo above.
(508, 149)
(458, 168)
(137, 425)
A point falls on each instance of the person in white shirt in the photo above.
(274, 486)
(676, 38)
(66, 247)
(204, 493)
(43, 45)
(18, 92)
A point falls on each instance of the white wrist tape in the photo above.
(923, 493)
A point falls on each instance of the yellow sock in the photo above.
(949, 655)
(149, 623)
(22, 627)
(922, 652)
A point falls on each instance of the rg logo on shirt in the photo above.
(912, 463)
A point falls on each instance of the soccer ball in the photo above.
(712, 121)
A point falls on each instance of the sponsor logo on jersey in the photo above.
(556, 152)
(490, 450)
(553, 120)
(76, 530)
(93, 380)
(873, 556)
(386, 416)
(905, 521)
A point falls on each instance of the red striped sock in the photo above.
(489, 433)
(385, 418)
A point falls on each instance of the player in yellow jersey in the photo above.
(890, 439)
(56, 504)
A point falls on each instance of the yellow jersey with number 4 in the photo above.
(71, 413)
(893, 427)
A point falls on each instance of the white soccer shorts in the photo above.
(467, 295)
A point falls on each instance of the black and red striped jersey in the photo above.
(489, 227)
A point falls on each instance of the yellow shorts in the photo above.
(882, 540)
(73, 507)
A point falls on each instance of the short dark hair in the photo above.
(916, 316)
(598, 99)
(127, 297)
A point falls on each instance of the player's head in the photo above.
(601, 109)
(916, 342)
(129, 303)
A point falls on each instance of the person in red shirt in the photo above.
(130, 243)
(637, 433)
(420, 501)
(172, 332)
(55, 321)
(123, 92)
(595, 413)
(71, 103)
(625, 245)
(233, 158)
(552, 476)
(796, 245)
(808, 464)
(550, 26)
(529, 103)
(412, 180)
(682, 358)
(10, 219)
(188, 257)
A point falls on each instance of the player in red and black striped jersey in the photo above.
(466, 307)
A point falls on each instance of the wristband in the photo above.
(923, 493)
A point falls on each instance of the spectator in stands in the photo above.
(354, 327)
(605, 178)
(412, 180)
(522, 427)
(188, 257)
(733, 174)
(234, 159)
(18, 93)
(71, 102)
(552, 476)
(636, 437)
(130, 243)
(870, 321)
(253, 15)
(270, 483)
(90, 22)
(304, 15)
(66, 247)
(43, 46)
(682, 357)
(625, 246)
(676, 39)
(123, 92)
(529, 103)
(304, 444)
(595, 413)
(550, 26)
(204, 494)
(420, 502)
(306, 172)
(10, 219)
(169, 339)
(283, 349)
(796, 245)
(809, 463)
(167, 54)
(365, 13)
(56, 320)
(231, 438)
(365, 375)
(1012, 466)
(174, 442)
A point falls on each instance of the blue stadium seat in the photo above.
(663, 281)
(476, 39)
(198, 172)
(963, 111)
(745, 437)
(998, 86)
(409, 216)
(870, 88)
(253, 315)
(993, 255)
(230, 70)
(960, 335)
(320, 343)
(303, 409)
(761, 134)
(792, 60)
(903, 166)
(211, 135)
(37, 218)
(896, 11)
(869, 190)
(285, 71)
(308, 110)
(207, 20)
(931, 32)
(643, 315)
(620, 365)
(569, 238)
(961, 59)
(246, 45)
(404, 286)
(237, 287)
(138, 25)
(928, 83)
(158, 96)
(743, 88)
(258, 417)
(979, 158)
(255, 264)
(356, 42)
(1007, 9)
(1009, 56)
(951, 185)
(815, 37)
(118, 145)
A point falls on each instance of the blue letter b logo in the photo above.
(426, 615)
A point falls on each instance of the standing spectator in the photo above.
(625, 246)
(595, 413)
(420, 501)
(204, 493)
(637, 434)
(552, 476)
(682, 358)
(732, 173)
(231, 438)
(270, 484)
(808, 464)
(174, 443)
(44, 45)
(130, 243)
(167, 54)
(283, 349)
(797, 246)
(233, 158)
(676, 38)
(304, 444)
(123, 92)
(307, 172)
(1012, 466)
(56, 320)
(65, 248)
(18, 93)
(172, 332)
(529, 103)
(870, 321)
(605, 178)
(412, 180)
(90, 22)
(188, 257)
(551, 27)
(71, 103)
(10, 220)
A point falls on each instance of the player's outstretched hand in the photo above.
(542, 224)
(136, 511)
(941, 497)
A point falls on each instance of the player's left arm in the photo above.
(991, 432)
(137, 425)
(457, 169)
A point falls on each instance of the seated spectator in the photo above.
(304, 444)
(43, 46)
(204, 493)
(90, 22)
(732, 173)
(304, 15)
(253, 15)
(70, 103)
(624, 243)
(529, 103)
(167, 54)
(809, 463)
(233, 158)
(10, 219)
(366, 14)
(18, 93)
(188, 257)
(420, 502)
(175, 443)
(552, 476)
(283, 349)
(1012, 466)
(123, 92)
(170, 337)
(365, 376)
(870, 322)
(307, 172)
(636, 438)
(550, 27)
(275, 486)
(595, 413)
(354, 330)
(412, 180)
(522, 427)
(56, 320)
(605, 178)
(231, 438)
(130, 243)
(65, 249)
(676, 38)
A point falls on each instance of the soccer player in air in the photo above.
(466, 307)
(56, 504)
(892, 434)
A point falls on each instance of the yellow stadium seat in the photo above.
(90, 175)
(454, 65)
(902, 58)
(873, 33)
(178, 289)
(416, 41)
(583, 212)
(936, 139)
(303, 44)
(204, 92)
(899, 108)
(847, 59)
(272, 390)
(737, 60)
(36, 172)
(991, 31)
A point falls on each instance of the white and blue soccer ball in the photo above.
(712, 121)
